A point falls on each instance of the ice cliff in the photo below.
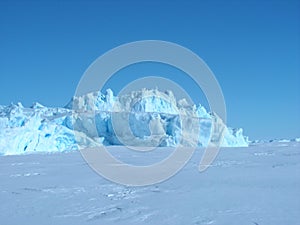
(145, 117)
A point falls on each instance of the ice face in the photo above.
(36, 129)
(146, 117)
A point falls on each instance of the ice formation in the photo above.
(145, 117)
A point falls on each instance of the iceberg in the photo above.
(140, 118)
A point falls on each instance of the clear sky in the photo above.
(253, 48)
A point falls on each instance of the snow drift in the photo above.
(145, 117)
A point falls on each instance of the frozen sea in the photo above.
(258, 185)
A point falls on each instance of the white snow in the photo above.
(249, 186)
(151, 117)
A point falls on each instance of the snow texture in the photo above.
(152, 118)
(250, 186)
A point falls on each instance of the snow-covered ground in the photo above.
(255, 185)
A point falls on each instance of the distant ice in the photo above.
(150, 113)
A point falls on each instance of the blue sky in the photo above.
(253, 48)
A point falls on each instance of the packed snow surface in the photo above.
(145, 117)
(244, 186)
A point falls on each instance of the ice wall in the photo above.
(141, 118)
